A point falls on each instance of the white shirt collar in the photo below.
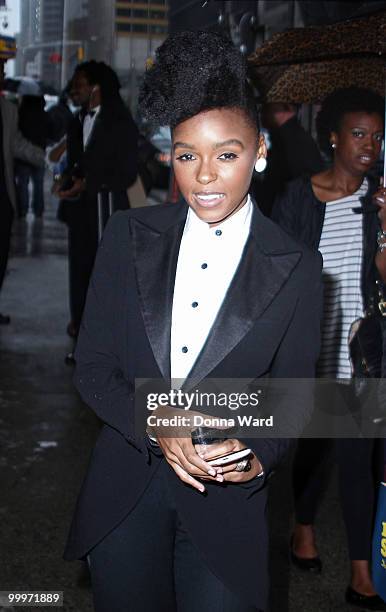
(96, 109)
(233, 224)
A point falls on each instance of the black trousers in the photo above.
(82, 248)
(149, 563)
(6, 218)
(82, 220)
(357, 483)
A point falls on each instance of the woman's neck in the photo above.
(335, 183)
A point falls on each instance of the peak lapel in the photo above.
(96, 130)
(156, 254)
(257, 282)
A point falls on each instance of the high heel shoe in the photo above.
(367, 602)
(312, 565)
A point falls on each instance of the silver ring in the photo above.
(241, 466)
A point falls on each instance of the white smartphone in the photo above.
(231, 458)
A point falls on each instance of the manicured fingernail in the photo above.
(202, 489)
(220, 478)
(212, 472)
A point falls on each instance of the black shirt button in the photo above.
(218, 232)
(204, 266)
(184, 349)
(194, 304)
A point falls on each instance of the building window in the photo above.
(155, 29)
(140, 13)
(139, 27)
(123, 12)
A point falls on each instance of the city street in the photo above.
(46, 435)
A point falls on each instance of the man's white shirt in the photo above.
(207, 261)
(88, 124)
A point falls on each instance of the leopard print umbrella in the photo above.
(312, 82)
(306, 64)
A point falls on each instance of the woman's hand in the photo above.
(178, 449)
(74, 191)
(57, 185)
(380, 198)
(229, 470)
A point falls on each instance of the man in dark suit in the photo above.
(293, 153)
(180, 294)
(102, 158)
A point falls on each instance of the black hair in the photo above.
(339, 103)
(91, 71)
(99, 73)
(194, 72)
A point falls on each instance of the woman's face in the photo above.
(358, 142)
(213, 158)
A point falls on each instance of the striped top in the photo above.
(341, 248)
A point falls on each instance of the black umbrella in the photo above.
(26, 86)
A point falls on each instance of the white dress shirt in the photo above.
(88, 124)
(207, 261)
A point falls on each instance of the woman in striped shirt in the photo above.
(333, 211)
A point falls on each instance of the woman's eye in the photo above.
(186, 157)
(228, 156)
(379, 137)
(358, 133)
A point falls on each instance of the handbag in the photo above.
(366, 344)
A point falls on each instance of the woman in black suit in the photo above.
(181, 293)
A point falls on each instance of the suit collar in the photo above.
(264, 268)
(268, 236)
(94, 131)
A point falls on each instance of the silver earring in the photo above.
(333, 145)
(260, 164)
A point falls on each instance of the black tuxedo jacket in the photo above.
(109, 160)
(268, 324)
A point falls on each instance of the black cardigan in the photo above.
(299, 212)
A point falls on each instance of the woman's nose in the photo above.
(206, 174)
(369, 144)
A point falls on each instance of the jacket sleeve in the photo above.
(295, 359)
(286, 208)
(98, 376)
(26, 151)
(21, 147)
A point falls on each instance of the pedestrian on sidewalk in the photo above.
(34, 126)
(334, 211)
(13, 145)
(101, 157)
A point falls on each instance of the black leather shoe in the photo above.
(312, 565)
(366, 602)
(4, 319)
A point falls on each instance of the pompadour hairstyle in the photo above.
(339, 103)
(194, 72)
